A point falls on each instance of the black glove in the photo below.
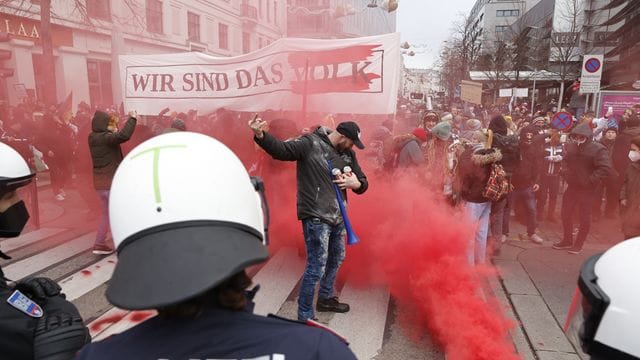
(38, 288)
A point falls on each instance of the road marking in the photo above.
(364, 324)
(36, 263)
(88, 278)
(28, 238)
(128, 321)
(277, 279)
(105, 321)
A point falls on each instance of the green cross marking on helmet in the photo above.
(156, 159)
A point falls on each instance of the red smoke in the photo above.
(415, 243)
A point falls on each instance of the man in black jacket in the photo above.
(585, 165)
(316, 155)
(525, 178)
(106, 155)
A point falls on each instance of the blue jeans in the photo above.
(103, 224)
(325, 252)
(529, 199)
(479, 212)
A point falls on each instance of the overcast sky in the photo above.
(428, 23)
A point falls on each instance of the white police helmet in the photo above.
(605, 314)
(14, 172)
(184, 216)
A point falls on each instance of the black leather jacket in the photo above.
(316, 196)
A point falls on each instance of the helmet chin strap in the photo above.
(258, 185)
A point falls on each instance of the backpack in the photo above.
(498, 185)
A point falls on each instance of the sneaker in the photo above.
(503, 238)
(102, 250)
(331, 305)
(575, 250)
(63, 193)
(535, 238)
(59, 197)
(562, 245)
(576, 231)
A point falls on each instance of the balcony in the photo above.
(248, 14)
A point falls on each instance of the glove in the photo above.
(38, 288)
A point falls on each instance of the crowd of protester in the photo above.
(452, 150)
(592, 163)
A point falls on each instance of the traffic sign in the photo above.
(592, 65)
(591, 74)
(562, 120)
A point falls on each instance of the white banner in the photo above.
(506, 93)
(358, 75)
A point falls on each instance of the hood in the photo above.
(584, 130)
(442, 130)
(483, 157)
(498, 125)
(100, 121)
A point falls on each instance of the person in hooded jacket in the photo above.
(585, 165)
(510, 150)
(106, 155)
(629, 128)
(410, 154)
(525, 179)
(610, 187)
(473, 171)
(630, 193)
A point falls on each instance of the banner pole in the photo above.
(304, 91)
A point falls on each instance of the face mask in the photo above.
(13, 220)
(634, 155)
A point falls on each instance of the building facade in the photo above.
(556, 33)
(327, 19)
(88, 35)
(492, 19)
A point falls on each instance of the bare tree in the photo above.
(565, 42)
(459, 54)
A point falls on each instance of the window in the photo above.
(502, 28)
(154, 16)
(260, 8)
(99, 74)
(275, 12)
(268, 12)
(193, 26)
(99, 9)
(246, 42)
(507, 13)
(223, 36)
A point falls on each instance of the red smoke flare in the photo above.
(415, 243)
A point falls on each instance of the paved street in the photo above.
(536, 285)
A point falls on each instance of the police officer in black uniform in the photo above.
(36, 322)
(183, 249)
